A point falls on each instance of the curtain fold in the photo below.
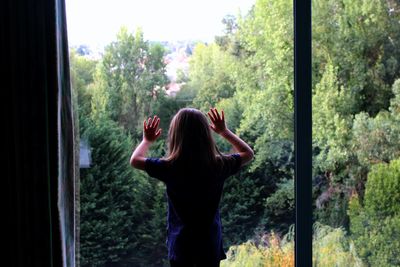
(39, 135)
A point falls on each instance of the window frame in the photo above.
(303, 132)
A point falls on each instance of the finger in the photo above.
(214, 114)
(158, 132)
(144, 125)
(212, 127)
(149, 122)
(153, 122)
(218, 117)
(157, 123)
(211, 117)
(223, 115)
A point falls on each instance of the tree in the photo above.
(227, 40)
(132, 76)
(332, 124)
(353, 70)
(259, 71)
(248, 72)
(362, 39)
(82, 76)
(240, 208)
(375, 222)
(376, 139)
(209, 75)
(122, 211)
(280, 207)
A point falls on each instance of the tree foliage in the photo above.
(375, 221)
(131, 77)
(210, 75)
(248, 72)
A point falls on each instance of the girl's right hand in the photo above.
(218, 122)
(150, 131)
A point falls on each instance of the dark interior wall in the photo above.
(38, 140)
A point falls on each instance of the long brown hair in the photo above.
(190, 139)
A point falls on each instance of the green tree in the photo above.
(248, 72)
(228, 40)
(331, 122)
(260, 69)
(331, 138)
(355, 62)
(264, 84)
(240, 208)
(131, 77)
(333, 247)
(122, 211)
(279, 207)
(209, 75)
(82, 76)
(362, 39)
(375, 222)
(107, 198)
(376, 139)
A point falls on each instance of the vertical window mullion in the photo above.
(303, 132)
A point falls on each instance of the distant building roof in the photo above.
(173, 88)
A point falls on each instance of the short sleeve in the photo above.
(156, 168)
(232, 164)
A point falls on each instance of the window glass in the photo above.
(236, 56)
(356, 133)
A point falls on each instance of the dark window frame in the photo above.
(303, 132)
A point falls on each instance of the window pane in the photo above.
(356, 133)
(191, 54)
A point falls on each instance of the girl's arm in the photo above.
(150, 134)
(219, 126)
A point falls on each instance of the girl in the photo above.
(194, 173)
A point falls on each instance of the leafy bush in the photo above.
(122, 211)
(279, 207)
(274, 252)
(375, 222)
(331, 247)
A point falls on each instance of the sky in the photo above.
(96, 22)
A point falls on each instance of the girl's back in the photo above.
(194, 173)
(194, 193)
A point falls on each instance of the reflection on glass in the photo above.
(356, 133)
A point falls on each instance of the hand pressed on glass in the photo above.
(218, 125)
(150, 134)
(150, 131)
(218, 121)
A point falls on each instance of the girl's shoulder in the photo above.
(229, 164)
(157, 168)
(162, 168)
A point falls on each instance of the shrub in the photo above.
(273, 253)
(331, 247)
(375, 223)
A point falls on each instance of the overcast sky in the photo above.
(96, 22)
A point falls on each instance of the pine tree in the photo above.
(118, 204)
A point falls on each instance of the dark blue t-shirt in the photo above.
(194, 193)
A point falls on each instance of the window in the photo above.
(356, 137)
(346, 139)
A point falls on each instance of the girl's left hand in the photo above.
(150, 132)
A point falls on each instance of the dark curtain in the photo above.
(39, 135)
